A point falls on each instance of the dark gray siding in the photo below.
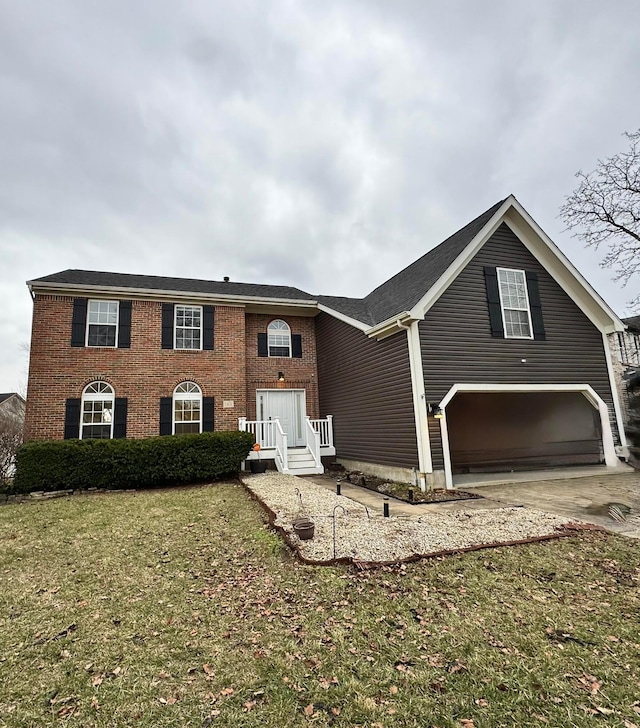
(457, 345)
(366, 386)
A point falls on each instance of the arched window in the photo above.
(96, 422)
(279, 338)
(187, 409)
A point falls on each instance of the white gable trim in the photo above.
(343, 317)
(544, 250)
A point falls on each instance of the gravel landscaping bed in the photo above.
(364, 537)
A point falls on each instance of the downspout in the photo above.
(419, 402)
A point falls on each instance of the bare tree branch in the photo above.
(11, 437)
(605, 210)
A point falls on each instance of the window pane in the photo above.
(516, 323)
(278, 351)
(101, 335)
(96, 432)
(187, 428)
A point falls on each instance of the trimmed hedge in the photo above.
(154, 462)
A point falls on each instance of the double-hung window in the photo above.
(514, 301)
(279, 338)
(96, 422)
(187, 409)
(188, 327)
(102, 323)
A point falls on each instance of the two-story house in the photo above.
(488, 353)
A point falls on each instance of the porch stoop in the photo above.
(300, 461)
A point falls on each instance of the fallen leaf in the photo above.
(393, 690)
(308, 711)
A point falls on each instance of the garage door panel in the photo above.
(514, 431)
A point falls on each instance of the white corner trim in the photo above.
(425, 462)
(610, 456)
(343, 317)
(614, 392)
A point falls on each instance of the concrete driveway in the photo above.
(583, 498)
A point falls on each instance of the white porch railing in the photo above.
(325, 429)
(313, 441)
(264, 431)
(281, 448)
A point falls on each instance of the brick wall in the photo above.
(143, 373)
(262, 372)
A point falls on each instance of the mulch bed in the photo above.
(404, 491)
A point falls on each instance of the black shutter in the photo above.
(72, 419)
(167, 326)
(207, 414)
(262, 345)
(124, 325)
(120, 418)
(166, 415)
(536, 307)
(207, 339)
(296, 346)
(493, 301)
(79, 322)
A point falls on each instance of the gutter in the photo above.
(390, 325)
(75, 288)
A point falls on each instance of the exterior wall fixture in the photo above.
(435, 411)
(281, 376)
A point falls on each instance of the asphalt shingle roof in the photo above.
(633, 323)
(6, 396)
(183, 285)
(400, 293)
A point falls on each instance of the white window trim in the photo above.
(184, 396)
(97, 397)
(502, 306)
(175, 327)
(117, 324)
(280, 356)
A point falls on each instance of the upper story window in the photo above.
(102, 323)
(514, 301)
(279, 338)
(96, 422)
(187, 409)
(188, 327)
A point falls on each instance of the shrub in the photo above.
(129, 464)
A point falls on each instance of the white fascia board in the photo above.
(342, 317)
(460, 263)
(159, 294)
(562, 270)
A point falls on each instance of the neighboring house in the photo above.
(626, 350)
(488, 353)
(12, 405)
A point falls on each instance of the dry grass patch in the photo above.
(176, 608)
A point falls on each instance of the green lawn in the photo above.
(180, 608)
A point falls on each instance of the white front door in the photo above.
(287, 405)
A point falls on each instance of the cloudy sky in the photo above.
(324, 145)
